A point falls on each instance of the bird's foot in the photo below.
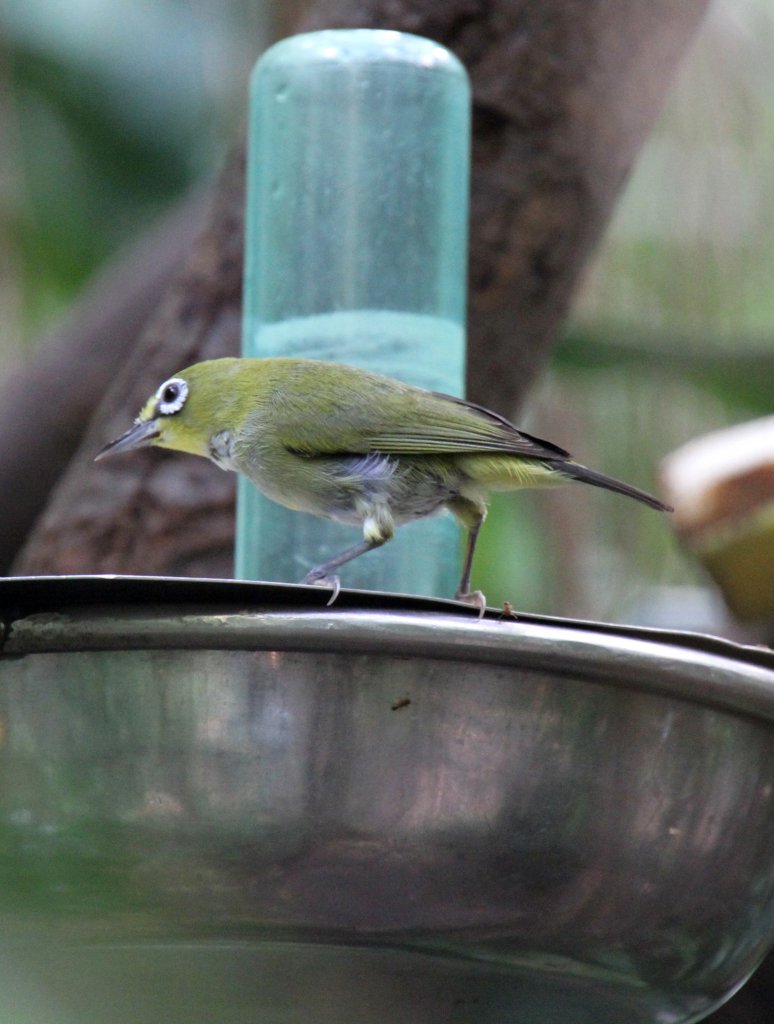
(473, 597)
(317, 579)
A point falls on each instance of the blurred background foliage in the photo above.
(111, 109)
(670, 337)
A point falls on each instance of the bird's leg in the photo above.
(472, 515)
(324, 575)
(376, 532)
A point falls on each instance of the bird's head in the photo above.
(189, 411)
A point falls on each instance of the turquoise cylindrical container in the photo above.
(356, 250)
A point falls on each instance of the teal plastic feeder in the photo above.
(356, 246)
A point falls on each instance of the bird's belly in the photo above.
(408, 488)
(348, 488)
(419, 504)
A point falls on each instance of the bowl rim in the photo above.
(51, 614)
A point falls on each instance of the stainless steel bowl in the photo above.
(226, 802)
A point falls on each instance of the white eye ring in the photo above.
(171, 396)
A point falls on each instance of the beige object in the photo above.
(722, 489)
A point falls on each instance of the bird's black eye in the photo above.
(171, 396)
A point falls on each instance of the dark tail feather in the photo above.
(589, 476)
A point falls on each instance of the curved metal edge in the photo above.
(25, 595)
(703, 677)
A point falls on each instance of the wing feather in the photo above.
(360, 413)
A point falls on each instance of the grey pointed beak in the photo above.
(141, 435)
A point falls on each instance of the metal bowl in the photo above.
(226, 802)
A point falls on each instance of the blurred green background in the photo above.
(111, 109)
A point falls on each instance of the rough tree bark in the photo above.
(160, 515)
(46, 404)
(564, 94)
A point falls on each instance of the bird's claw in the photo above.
(474, 598)
(333, 582)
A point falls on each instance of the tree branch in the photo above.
(564, 94)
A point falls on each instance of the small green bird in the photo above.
(353, 446)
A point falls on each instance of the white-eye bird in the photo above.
(353, 446)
